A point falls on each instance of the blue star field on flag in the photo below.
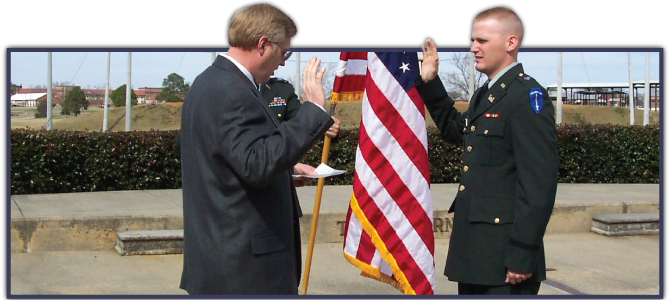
(403, 65)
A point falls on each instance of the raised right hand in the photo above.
(312, 86)
(431, 61)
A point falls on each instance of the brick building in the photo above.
(147, 95)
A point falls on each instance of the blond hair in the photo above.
(248, 25)
(503, 15)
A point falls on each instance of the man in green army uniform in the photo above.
(283, 101)
(281, 98)
(510, 163)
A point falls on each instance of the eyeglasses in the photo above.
(287, 54)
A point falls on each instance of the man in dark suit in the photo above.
(510, 172)
(241, 230)
(284, 103)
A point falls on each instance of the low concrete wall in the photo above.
(578, 218)
(81, 234)
(100, 233)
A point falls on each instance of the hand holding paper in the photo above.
(299, 170)
(322, 170)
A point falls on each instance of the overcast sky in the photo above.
(88, 69)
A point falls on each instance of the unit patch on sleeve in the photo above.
(536, 99)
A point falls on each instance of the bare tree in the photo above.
(457, 82)
(328, 79)
(62, 83)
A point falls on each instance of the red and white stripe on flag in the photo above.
(389, 226)
(350, 77)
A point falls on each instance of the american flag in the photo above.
(350, 77)
(389, 226)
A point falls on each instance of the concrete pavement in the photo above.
(63, 243)
(584, 263)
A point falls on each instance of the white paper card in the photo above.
(322, 170)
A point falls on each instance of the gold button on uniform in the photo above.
(465, 169)
(486, 131)
(469, 148)
(279, 115)
(496, 220)
(502, 85)
(520, 74)
(472, 128)
(462, 188)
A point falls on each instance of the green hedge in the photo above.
(587, 153)
(608, 154)
(75, 161)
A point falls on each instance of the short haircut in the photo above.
(249, 24)
(505, 15)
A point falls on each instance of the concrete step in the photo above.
(626, 224)
(148, 242)
(151, 242)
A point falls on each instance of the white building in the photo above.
(27, 100)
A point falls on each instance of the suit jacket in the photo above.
(281, 98)
(241, 210)
(509, 179)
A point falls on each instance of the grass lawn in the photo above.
(167, 116)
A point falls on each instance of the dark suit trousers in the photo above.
(524, 288)
(298, 249)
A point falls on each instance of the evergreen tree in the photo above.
(119, 96)
(74, 102)
(174, 89)
(41, 111)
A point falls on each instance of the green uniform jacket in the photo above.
(281, 98)
(508, 184)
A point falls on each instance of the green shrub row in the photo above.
(608, 154)
(75, 161)
(587, 153)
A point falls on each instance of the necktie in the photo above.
(482, 94)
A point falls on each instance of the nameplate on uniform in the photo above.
(491, 115)
(278, 101)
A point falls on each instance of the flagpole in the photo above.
(317, 206)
